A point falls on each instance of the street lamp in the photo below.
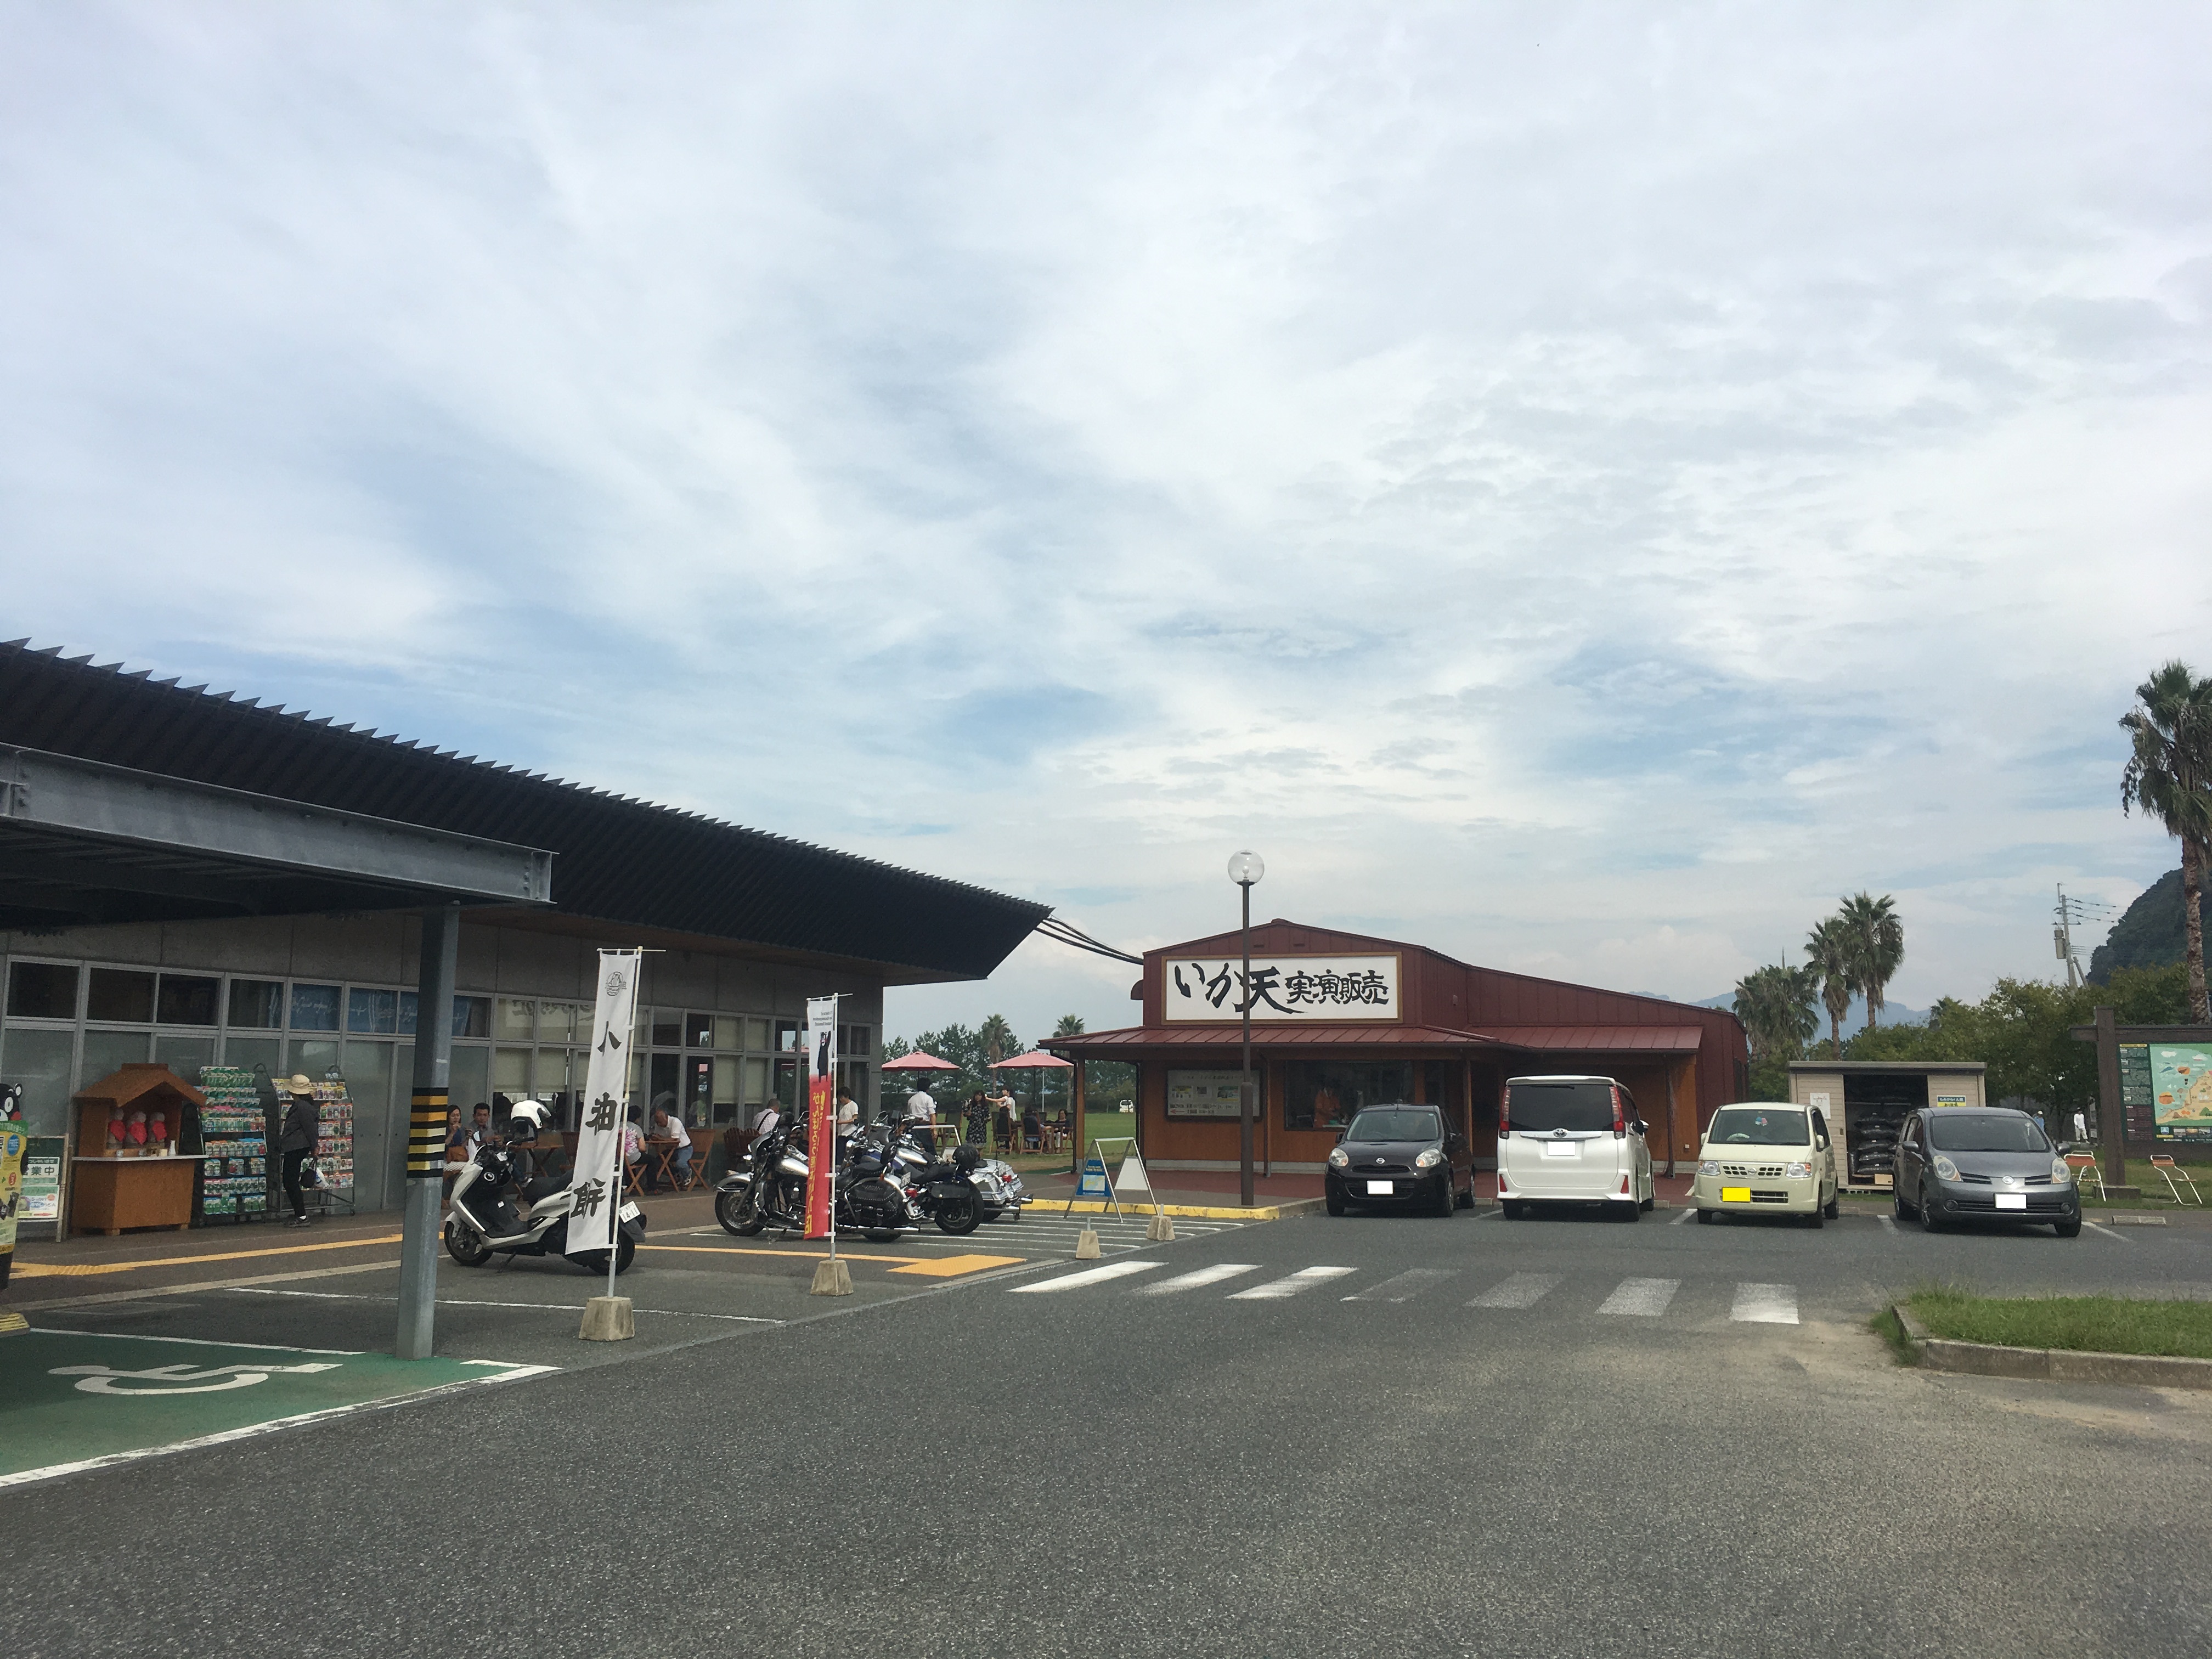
(1245, 869)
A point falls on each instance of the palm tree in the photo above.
(1878, 938)
(1070, 1025)
(998, 1040)
(2169, 775)
(1831, 959)
(1775, 1004)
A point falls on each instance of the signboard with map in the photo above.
(2181, 1091)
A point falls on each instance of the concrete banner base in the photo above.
(608, 1319)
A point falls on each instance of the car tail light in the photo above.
(1620, 1120)
(1624, 1185)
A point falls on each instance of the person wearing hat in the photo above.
(302, 1130)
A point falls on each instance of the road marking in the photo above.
(1888, 1223)
(202, 1342)
(1304, 1279)
(951, 1267)
(2099, 1226)
(1213, 1276)
(1089, 1276)
(1764, 1304)
(1641, 1299)
(463, 1302)
(85, 1269)
(1680, 1219)
(1521, 1291)
(1406, 1286)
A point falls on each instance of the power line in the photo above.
(1067, 933)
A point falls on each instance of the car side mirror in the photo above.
(1642, 1128)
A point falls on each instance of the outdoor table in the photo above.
(663, 1149)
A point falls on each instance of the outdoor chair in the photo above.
(2086, 1172)
(2169, 1170)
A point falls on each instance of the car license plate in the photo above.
(1561, 1149)
(1381, 1188)
(629, 1213)
(2012, 1200)
(1735, 1194)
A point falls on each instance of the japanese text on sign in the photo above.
(1329, 989)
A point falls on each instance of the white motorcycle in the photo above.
(491, 1213)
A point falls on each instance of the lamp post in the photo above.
(1245, 869)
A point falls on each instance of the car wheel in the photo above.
(1336, 1204)
(1705, 1217)
(1632, 1212)
(1466, 1198)
(1447, 1201)
(1834, 1208)
(1929, 1219)
(1817, 1219)
(2068, 1229)
(1513, 1208)
(1903, 1211)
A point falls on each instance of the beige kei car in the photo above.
(1766, 1157)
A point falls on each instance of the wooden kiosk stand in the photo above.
(121, 1183)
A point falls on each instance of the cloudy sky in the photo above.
(1580, 487)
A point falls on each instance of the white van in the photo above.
(1572, 1140)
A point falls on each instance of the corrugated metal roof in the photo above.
(1601, 1039)
(621, 860)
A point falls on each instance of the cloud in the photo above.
(1576, 488)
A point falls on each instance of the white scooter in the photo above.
(485, 1218)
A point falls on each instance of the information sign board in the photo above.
(2181, 1091)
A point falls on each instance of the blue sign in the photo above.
(1093, 1183)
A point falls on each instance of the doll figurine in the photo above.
(135, 1134)
(157, 1129)
(116, 1129)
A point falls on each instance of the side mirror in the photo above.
(1642, 1128)
(1340, 1137)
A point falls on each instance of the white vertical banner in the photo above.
(596, 1181)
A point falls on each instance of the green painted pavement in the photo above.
(71, 1400)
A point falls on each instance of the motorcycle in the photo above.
(493, 1213)
(1000, 1190)
(947, 1192)
(885, 1183)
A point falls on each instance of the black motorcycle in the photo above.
(947, 1194)
(884, 1183)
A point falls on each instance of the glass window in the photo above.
(787, 1037)
(1395, 1123)
(698, 1031)
(314, 1008)
(107, 1053)
(756, 1035)
(261, 1054)
(185, 1055)
(1541, 1107)
(40, 1061)
(1756, 1126)
(188, 999)
(726, 1089)
(471, 1078)
(517, 1019)
(316, 1061)
(372, 1014)
(257, 1004)
(557, 1021)
(1325, 1094)
(510, 1073)
(409, 1005)
(729, 1033)
(1954, 1131)
(471, 1017)
(667, 1029)
(757, 1083)
(41, 990)
(121, 994)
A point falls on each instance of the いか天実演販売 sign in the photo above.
(1316, 990)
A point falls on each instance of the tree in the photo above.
(1775, 1005)
(1877, 943)
(2169, 775)
(1070, 1025)
(998, 1040)
(1833, 960)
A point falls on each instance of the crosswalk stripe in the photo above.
(1641, 1299)
(1682, 1217)
(1765, 1304)
(1521, 1291)
(1089, 1276)
(1304, 1279)
(1406, 1286)
(1213, 1276)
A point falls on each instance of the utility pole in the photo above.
(2070, 911)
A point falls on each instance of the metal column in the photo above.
(426, 1132)
(2111, 1115)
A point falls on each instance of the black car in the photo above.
(1399, 1155)
(1982, 1163)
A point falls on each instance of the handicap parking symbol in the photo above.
(180, 1379)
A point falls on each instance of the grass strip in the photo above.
(1891, 1329)
(2090, 1324)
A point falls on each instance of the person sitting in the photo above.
(669, 1125)
(633, 1147)
(457, 1149)
(1033, 1128)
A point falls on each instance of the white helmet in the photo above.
(529, 1112)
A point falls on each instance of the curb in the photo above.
(2051, 1365)
(1199, 1212)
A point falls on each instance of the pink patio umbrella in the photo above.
(918, 1062)
(1040, 1062)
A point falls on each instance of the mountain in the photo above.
(1893, 1013)
(2149, 933)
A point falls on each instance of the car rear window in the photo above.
(1394, 1123)
(1954, 1131)
(1758, 1126)
(1541, 1107)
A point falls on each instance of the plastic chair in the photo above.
(2086, 1171)
(2167, 1168)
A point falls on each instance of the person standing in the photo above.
(302, 1133)
(921, 1118)
(976, 1115)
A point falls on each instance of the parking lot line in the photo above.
(1204, 1276)
(1089, 1276)
(1764, 1304)
(1641, 1299)
(1404, 1286)
(1521, 1291)
(1680, 1219)
(88, 1269)
(1304, 1279)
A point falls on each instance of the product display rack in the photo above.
(333, 1159)
(234, 1141)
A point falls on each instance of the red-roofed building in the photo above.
(1341, 1021)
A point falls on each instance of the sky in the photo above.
(1577, 487)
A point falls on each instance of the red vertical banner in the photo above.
(821, 1112)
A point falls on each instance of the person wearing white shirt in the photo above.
(668, 1126)
(921, 1114)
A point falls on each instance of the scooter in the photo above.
(485, 1219)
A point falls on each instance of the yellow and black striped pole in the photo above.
(426, 1131)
